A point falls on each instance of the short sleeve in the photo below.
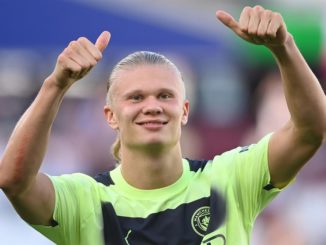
(254, 178)
(246, 176)
(72, 193)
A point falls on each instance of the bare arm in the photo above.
(295, 143)
(31, 192)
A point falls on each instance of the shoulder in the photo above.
(241, 153)
(76, 183)
(73, 178)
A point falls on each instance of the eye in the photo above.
(135, 97)
(165, 96)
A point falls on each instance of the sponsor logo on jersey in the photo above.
(200, 220)
(244, 148)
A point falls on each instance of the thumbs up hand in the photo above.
(78, 59)
(257, 25)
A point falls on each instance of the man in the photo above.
(155, 196)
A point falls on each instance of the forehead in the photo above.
(148, 78)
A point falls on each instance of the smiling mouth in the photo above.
(152, 122)
(149, 123)
(152, 125)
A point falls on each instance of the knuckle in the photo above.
(73, 45)
(258, 7)
(82, 40)
(247, 9)
(61, 58)
(67, 51)
(277, 16)
(267, 13)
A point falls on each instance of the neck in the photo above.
(148, 171)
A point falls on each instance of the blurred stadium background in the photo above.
(234, 91)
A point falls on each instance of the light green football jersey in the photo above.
(176, 214)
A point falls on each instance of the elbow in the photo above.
(315, 138)
(12, 186)
(310, 136)
(2, 185)
(6, 185)
(323, 134)
(12, 190)
(319, 136)
(3, 181)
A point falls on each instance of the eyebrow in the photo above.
(139, 91)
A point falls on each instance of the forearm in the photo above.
(27, 145)
(304, 95)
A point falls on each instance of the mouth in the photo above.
(152, 124)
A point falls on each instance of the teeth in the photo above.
(153, 123)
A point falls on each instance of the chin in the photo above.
(154, 143)
(159, 144)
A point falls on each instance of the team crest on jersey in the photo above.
(200, 220)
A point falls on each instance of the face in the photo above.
(148, 106)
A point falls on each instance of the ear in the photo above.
(185, 115)
(110, 117)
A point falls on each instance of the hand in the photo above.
(257, 25)
(78, 59)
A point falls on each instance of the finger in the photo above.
(103, 41)
(274, 25)
(89, 50)
(81, 56)
(254, 20)
(67, 65)
(264, 23)
(244, 18)
(84, 51)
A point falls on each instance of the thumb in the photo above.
(227, 19)
(230, 22)
(103, 40)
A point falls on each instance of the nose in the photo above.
(152, 107)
